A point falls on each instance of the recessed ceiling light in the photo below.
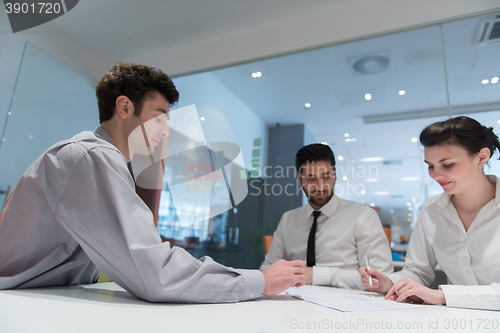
(350, 139)
(414, 139)
(381, 193)
(256, 75)
(410, 209)
(409, 219)
(9, 113)
(324, 143)
(401, 92)
(372, 159)
(202, 118)
(344, 178)
(340, 158)
(485, 81)
(371, 180)
(368, 97)
(408, 204)
(372, 205)
(410, 179)
(494, 80)
(498, 121)
(346, 135)
(362, 191)
(30, 137)
(410, 214)
(307, 105)
(414, 199)
(391, 211)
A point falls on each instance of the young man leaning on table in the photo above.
(333, 235)
(75, 211)
(458, 230)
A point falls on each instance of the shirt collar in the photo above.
(444, 200)
(327, 209)
(102, 134)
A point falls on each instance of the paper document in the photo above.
(346, 302)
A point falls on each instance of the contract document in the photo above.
(346, 300)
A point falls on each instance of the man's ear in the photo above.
(299, 179)
(124, 107)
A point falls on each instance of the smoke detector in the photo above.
(370, 64)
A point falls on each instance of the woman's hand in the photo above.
(407, 290)
(380, 282)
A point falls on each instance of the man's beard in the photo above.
(318, 201)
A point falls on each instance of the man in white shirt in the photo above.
(75, 211)
(333, 235)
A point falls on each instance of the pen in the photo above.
(368, 268)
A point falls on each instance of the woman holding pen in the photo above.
(459, 229)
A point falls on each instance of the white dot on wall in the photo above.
(368, 97)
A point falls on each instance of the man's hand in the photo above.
(282, 275)
(407, 290)
(380, 282)
(308, 271)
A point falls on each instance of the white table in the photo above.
(105, 307)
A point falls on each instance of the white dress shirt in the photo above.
(75, 211)
(470, 259)
(346, 233)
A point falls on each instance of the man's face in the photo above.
(318, 179)
(151, 126)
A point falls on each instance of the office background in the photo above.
(364, 77)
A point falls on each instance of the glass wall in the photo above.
(368, 100)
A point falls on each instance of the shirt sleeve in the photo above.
(371, 241)
(472, 297)
(420, 259)
(100, 209)
(277, 249)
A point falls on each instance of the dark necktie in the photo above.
(311, 243)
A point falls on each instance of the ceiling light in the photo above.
(256, 75)
(350, 139)
(346, 135)
(392, 211)
(409, 220)
(410, 209)
(371, 64)
(494, 80)
(307, 105)
(368, 97)
(340, 158)
(410, 214)
(408, 204)
(372, 159)
(324, 143)
(30, 137)
(498, 121)
(401, 92)
(372, 205)
(381, 193)
(202, 118)
(410, 179)
(371, 180)
(414, 139)
(344, 178)
(413, 199)
(9, 113)
(363, 191)
(485, 81)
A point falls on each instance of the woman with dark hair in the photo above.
(459, 229)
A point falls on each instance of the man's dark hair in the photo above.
(314, 153)
(137, 82)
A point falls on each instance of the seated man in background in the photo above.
(334, 235)
(75, 211)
